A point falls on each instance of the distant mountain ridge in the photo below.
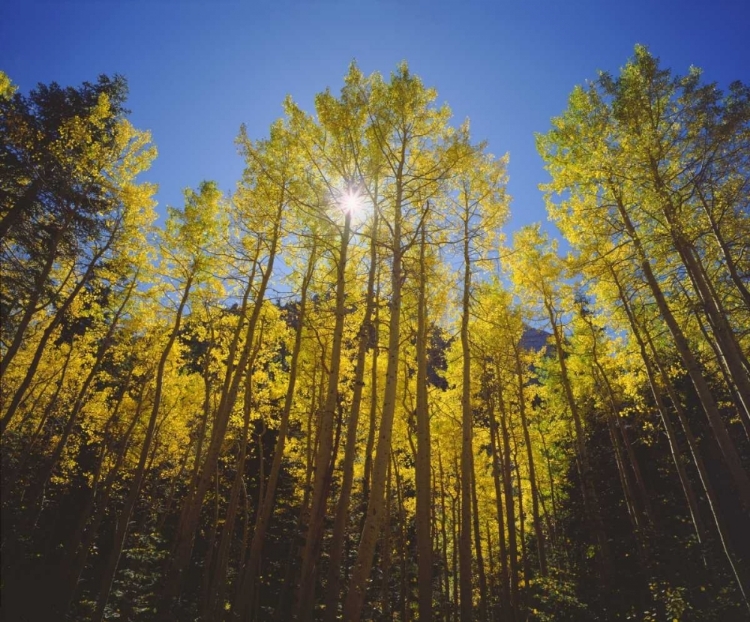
(535, 339)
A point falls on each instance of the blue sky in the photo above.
(197, 70)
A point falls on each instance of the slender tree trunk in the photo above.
(341, 519)
(538, 532)
(123, 520)
(385, 544)
(284, 608)
(726, 341)
(370, 444)
(455, 512)
(728, 450)
(48, 332)
(738, 281)
(590, 498)
(39, 392)
(203, 425)
(725, 371)
(732, 356)
(552, 527)
(635, 466)
(11, 474)
(721, 528)
(190, 515)
(510, 511)
(206, 578)
(636, 520)
(521, 513)
(467, 432)
(478, 547)
(674, 447)
(212, 604)
(361, 572)
(422, 466)
(22, 205)
(640, 519)
(79, 545)
(498, 471)
(403, 578)
(105, 343)
(325, 455)
(492, 575)
(31, 308)
(176, 479)
(265, 511)
(444, 539)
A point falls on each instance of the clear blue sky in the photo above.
(197, 70)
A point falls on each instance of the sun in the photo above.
(351, 201)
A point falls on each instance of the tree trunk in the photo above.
(206, 578)
(590, 498)
(366, 331)
(404, 579)
(738, 281)
(510, 511)
(190, 515)
(325, 456)
(285, 605)
(726, 341)
(361, 572)
(498, 472)
(713, 502)
(422, 466)
(212, 604)
(444, 541)
(540, 546)
(674, 447)
(31, 308)
(104, 344)
(467, 432)
(48, 332)
(478, 547)
(123, 520)
(728, 450)
(79, 544)
(370, 444)
(385, 552)
(265, 511)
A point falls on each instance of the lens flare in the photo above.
(351, 201)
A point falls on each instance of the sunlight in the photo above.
(351, 201)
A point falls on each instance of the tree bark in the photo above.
(483, 609)
(467, 433)
(422, 466)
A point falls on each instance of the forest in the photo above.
(343, 392)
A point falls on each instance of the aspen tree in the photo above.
(414, 141)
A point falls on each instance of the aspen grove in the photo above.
(344, 392)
